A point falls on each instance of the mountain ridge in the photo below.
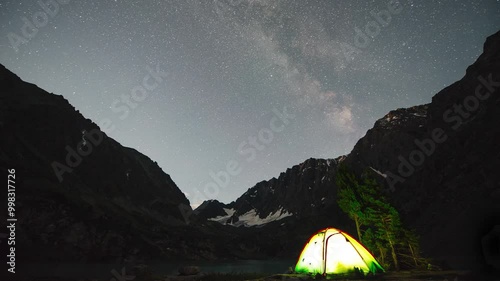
(119, 204)
(456, 153)
(281, 191)
(67, 165)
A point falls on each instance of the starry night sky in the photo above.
(225, 67)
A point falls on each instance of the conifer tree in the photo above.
(347, 198)
(377, 222)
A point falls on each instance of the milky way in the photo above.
(223, 94)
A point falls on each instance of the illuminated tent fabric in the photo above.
(331, 251)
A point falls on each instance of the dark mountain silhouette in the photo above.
(83, 196)
(302, 191)
(84, 207)
(438, 163)
(452, 195)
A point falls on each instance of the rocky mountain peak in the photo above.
(79, 186)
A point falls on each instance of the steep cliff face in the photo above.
(303, 191)
(440, 163)
(275, 217)
(80, 194)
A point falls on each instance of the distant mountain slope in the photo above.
(283, 212)
(304, 190)
(70, 206)
(439, 163)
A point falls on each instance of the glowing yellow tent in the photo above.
(332, 251)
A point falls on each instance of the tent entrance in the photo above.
(346, 249)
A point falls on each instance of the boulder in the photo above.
(189, 270)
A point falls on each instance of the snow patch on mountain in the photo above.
(224, 218)
(251, 218)
(419, 114)
(379, 172)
